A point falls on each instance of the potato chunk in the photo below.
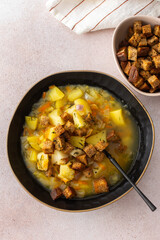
(117, 117)
(34, 142)
(78, 120)
(55, 94)
(55, 117)
(42, 161)
(74, 94)
(66, 173)
(31, 122)
(85, 106)
(77, 141)
(94, 139)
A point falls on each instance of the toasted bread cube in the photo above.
(123, 65)
(156, 30)
(130, 32)
(146, 30)
(90, 150)
(66, 117)
(143, 42)
(144, 87)
(82, 158)
(68, 148)
(100, 146)
(146, 64)
(139, 83)
(152, 41)
(99, 156)
(127, 68)
(59, 129)
(132, 53)
(136, 64)
(137, 26)
(59, 143)
(155, 71)
(69, 126)
(142, 51)
(135, 39)
(48, 147)
(145, 74)
(112, 136)
(69, 192)
(152, 90)
(44, 121)
(56, 193)
(152, 53)
(122, 54)
(100, 185)
(78, 166)
(153, 81)
(156, 61)
(88, 172)
(156, 47)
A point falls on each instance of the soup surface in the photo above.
(64, 137)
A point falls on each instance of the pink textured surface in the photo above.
(33, 45)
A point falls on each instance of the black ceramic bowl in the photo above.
(146, 138)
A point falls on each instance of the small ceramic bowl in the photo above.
(139, 166)
(120, 34)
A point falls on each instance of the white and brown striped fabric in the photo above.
(90, 15)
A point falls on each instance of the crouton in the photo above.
(136, 64)
(146, 30)
(152, 41)
(56, 193)
(59, 129)
(155, 71)
(132, 53)
(127, 68)
(137, 26)
(156, 30)
(78, 166)
(59, 143)
(145, 74)
(100, 146)
(69, 126)
(142, 51)
(112, 137)
(123, 65)
(152, 90)
(153, 81)
(139, 83)
(120, 148)
(81, 132)
(100, 185)
(156, 47)
(99, 156)
(90, 150)
(50, 171)
(144, 87)
(68, 148)
(143, 42)
(89, 118)
(69, 192)
(135, 39)
(82, 158)
(133, 74)
(67, 136)
(156, 61)
(64, 160)
(44, 121)
(66, 117)
(152, 53)
(130, 32)
(48, 147)
(88, 172)
(122, 54)
(145, 64)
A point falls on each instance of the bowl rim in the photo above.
(139, 17)
(116, 199)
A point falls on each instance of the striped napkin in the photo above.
(90, 15)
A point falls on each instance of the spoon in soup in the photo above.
(114, 162)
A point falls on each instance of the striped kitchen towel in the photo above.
(90, 15)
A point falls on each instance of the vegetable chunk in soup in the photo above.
(64, 137)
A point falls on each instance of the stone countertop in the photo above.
(33, 45)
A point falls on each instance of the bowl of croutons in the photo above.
(136, 50)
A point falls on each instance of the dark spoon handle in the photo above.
(114, 162)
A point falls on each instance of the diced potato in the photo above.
(94, 139)
(84, 103)
(50, 109)
(60, 103)
(78, 120)
(34, 142)
(71, 110)
(74, 94)
(33, 156)
(42, 161)
(55, 94)
(31, 122)
(77, 141)
(66, 173)
(49, 182)
(57, 157)
(51, 134)
(55, 118)
(117, 117)
(94, 93)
